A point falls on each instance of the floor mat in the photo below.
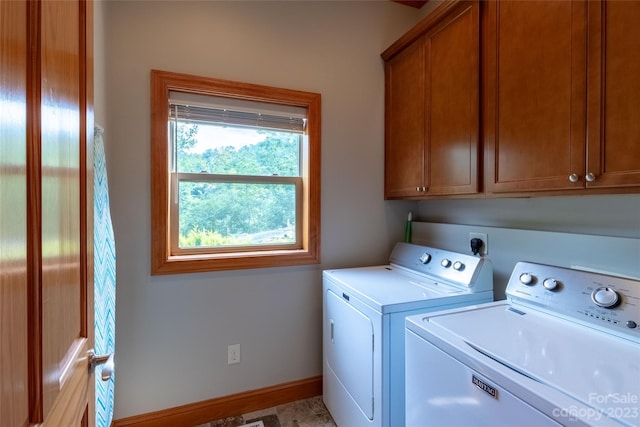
(264, 421)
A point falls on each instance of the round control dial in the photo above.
(445, 263)
(550, 284)
(526, 279)
(425, 258)
(605, 297)
(458, 266)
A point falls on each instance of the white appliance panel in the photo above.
(388, 289)
(581, 362)
(445, 390)
(349, 353)
(566, 343)
(382, 296)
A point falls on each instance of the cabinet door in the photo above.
(452, 70)
(404, 122)
(534, 95)
(614, 110)
(432, 104)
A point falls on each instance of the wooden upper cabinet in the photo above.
(432, 106)
(534, 104)
(558, 112)
(613, 156)
(405, 122)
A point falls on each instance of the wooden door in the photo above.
(534, 95)
(14, 397)
(47, 228)
(452, 89)
(404, 154)
(614, 111)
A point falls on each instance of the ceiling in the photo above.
(413, 3)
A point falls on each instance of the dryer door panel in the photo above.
(349, 352)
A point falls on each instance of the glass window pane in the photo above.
(229, 214)
(233, 150)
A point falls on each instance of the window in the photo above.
(235, 175)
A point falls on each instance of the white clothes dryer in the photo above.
(364, 312)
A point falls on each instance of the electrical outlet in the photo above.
(233, 354)
(484, 250)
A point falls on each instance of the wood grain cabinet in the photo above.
(613, 132)
(560, 95)
(432, 106)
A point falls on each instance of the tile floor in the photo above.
(301, 413)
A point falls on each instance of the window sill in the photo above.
(233, 261)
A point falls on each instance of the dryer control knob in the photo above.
(631, 324)
(526, 279)
(458, 266)
(550, 284)
(445, 263)
(605, 297)
(425, 258)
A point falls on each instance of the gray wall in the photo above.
(609, 215)
(607, 254)
(99, 64)
(173, 331)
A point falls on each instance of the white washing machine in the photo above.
(563, 349)
(364, 312)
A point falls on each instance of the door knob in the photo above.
(105, 359)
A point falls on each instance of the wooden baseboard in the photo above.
(236, 404)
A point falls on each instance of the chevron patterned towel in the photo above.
(105, 279)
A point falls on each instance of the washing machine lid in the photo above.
(388, 289)
(598, 369)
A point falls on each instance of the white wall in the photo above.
(99, 65)
(173, 331)
(610, 255)
(608, 215)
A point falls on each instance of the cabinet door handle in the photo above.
(574, 177)
(590, 177)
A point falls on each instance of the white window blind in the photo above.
(197, 108)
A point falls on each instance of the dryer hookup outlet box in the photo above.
(484, 238)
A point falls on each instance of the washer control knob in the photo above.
(605, 297)
(550, 284)
(458, 266)
(445, 263)
(526, 279)
(631, 324)
(425, 258)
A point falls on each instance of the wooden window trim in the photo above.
(162, 262)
